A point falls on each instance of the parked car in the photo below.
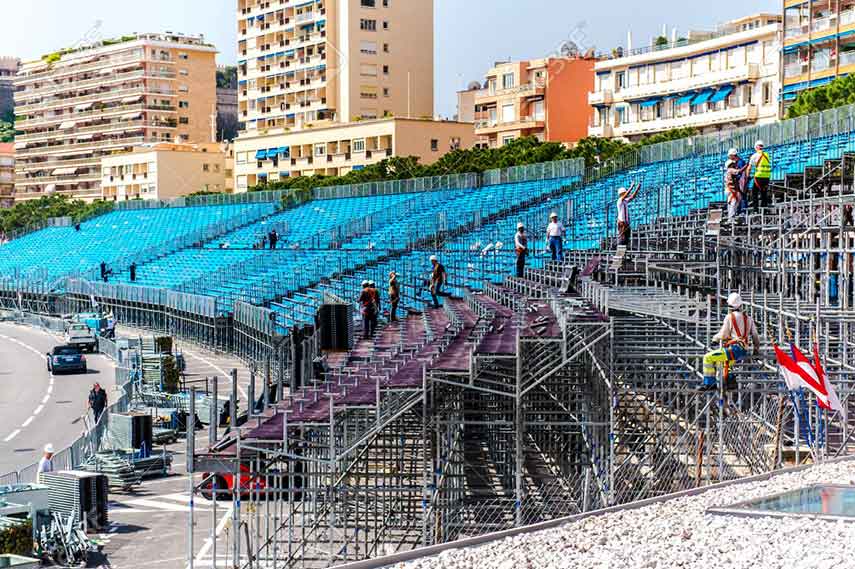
(82, 336)
(248, 484)
(66, 359)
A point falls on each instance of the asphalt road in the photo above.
(35, 407)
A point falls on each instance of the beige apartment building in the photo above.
(78, 105)
(338, 149)
(8, 70)
(7, 174)
(163, 171)
(304, 64)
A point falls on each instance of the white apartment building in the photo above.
(709, 81)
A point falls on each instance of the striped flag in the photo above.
(833, 401)
(799, 372)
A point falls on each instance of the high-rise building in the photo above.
(819, 44)
(709, 80)
(77, 105)
(227, 103)
(7, 174)
(303, 64)
(544, 98)
(8, 70)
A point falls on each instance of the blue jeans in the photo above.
(556, 247)
(730, 354)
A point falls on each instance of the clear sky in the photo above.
(470, 34)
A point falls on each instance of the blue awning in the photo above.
(272, 153)
(649, 103)
(702, 98)
(685, 99)
(601, 73)
(284, 151)
(284, 174)
(260, 154)
(721, 94)
(262, 175)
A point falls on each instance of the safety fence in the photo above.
(572, 168)
(268, 196)
(391, 187)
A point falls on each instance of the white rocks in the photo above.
(678, 533)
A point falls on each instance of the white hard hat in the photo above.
(622, 191)
(759, 144)
(520, 226)
(553, 214)
(732, 152)
(734, 300)
(370, 283)
(365, 283)
(433, 257)
(49, 448)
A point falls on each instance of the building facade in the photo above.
(709, 81)
(819, 44)
(8, 70)
(75, 106)
(544, 98)
(466, 102)
(7, 174)
(163, 171)
(304, 64)
(336, 150)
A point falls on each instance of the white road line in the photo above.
(38, 409)
(216, 367)
(206, 547)
(45, 399)
(12, 435)
(47, 394)
(28, 421)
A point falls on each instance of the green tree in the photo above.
(34, 212)
(838, 93)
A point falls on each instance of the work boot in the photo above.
(730, 383)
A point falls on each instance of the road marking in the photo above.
(12, 435)
(205, 360)
(45, 399)
(47, 394)
(28, 421)
(38, 409)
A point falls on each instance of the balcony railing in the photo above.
(750, 72)
(847, 18)
(122, 109)
(822, 24)
(71, 133)
(604, 97)
(105, 95)
(794, 69)
(101, 64)
(709, 118)
(847, 58)
(93, 144)
(92, 177)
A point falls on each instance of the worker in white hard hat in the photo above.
(394, 292)
(521, 248)
(737, 331)
(438, 278)
(760, 172)
(46, 462)
(734, 183)
(369, 306)
(555, 237)
(624, 227)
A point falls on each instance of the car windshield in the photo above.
(66, 351)
(79, 328)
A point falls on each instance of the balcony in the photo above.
(94, 97)
(60, 149)
(524, 90)
(747, 113)
(750, 72)
(485, 127)
(602, 130)
(604, 97)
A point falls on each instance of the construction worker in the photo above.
(46, 462)
(368, 308)
(521, 248)
(737, 331)
(625, 196)
(438, 278)
(734, 169)
(760, 165)
(555, 237)
(394, 296)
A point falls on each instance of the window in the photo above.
(183, 56)
(507, 80)
(183, 120)
(320, 149)
(183, 104)
(241, 157)
(385, 70)
(538, 110)
(385, 48)
(507, 140)
(368, 47)
(386, 91)
(184, 72)
(434, 145)
(767, 93)
(206, 167)
(508, 113)
(368, 25)
(386, 3)
(359, 145)
(369, 3)
(385, 24)
(620, 80)
(217, 168)
(368, 70)
(241, 181)
(183, 88)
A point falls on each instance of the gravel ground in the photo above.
(678, 533)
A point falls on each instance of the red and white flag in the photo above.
(798, 372)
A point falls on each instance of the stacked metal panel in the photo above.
(80, 494)
(130, 430)
(119, 471)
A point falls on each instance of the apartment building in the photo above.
(819, 44)
(303, 64)
(708, 80)
(77, 105)
(336, 150)
(8, 70)
(7, 174)
(544, 98)
(466, 102)
(162, 171)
